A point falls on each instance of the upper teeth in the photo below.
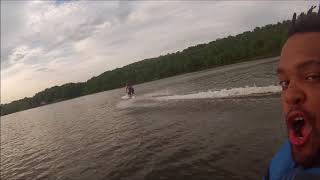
(298, 119)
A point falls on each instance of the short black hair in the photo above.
(309, 22)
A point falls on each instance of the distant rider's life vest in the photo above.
(130, 90)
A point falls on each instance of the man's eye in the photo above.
(284, 84)
(313, 77)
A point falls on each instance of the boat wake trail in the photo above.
(152, 99)
(227, 93)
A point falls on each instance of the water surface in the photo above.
(103, 136)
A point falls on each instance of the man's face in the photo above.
(299, 75)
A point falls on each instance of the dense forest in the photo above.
(261, 42)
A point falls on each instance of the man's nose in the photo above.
(294, 95)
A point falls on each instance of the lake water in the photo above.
(222, 123)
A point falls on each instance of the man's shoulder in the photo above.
(283, 167)
(282, 163)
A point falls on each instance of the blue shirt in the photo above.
(283, 167)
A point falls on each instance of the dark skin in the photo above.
(299, 75)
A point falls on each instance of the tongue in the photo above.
(299, 132)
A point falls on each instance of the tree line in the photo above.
(261, 42)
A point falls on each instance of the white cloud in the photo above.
(44, 43)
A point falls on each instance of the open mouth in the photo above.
(299, 127)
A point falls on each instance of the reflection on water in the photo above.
(102, 136)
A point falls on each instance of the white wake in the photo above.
(227, 93)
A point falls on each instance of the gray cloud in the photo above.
(43, 69)
(44, 43)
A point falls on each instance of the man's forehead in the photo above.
(302, 44)
(299, 49)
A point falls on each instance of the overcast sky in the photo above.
(47, 43)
